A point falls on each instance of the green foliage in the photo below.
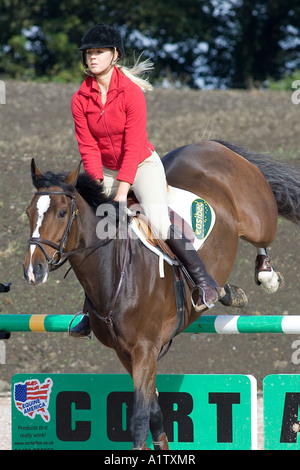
(234, 43)
(285, 83)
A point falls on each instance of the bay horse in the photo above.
(120, 277)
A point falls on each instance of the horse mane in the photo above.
(92, 192)
(88, 189)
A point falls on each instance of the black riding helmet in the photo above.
(101, 35)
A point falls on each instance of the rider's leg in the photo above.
(83, 328)
(208, 289)
(150, 188)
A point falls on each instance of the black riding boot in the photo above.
(83, 328)
(206, 288)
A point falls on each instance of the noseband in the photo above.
(38, 241)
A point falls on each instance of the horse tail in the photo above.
(283, 178)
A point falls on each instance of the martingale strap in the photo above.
(108, 318)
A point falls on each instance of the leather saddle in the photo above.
(151, 234)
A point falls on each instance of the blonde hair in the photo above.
(139, 68)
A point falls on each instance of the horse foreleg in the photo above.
(159, 437)
(144, 375)
(233, 296)
(139, 423)
(265, 275)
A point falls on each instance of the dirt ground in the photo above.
(36, 122)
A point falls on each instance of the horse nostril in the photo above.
(36, 274)
(38, 268)
(40, 273)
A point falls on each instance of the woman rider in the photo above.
(110, 116)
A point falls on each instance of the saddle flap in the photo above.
(151, 235)
(147, 230)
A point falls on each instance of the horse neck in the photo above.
(87, 222)
(98, 264)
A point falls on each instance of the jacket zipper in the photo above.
(106, 128)
(109, 136)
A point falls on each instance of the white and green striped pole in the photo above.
(235, 324)
(219, 324)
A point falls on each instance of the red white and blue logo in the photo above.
(32, 398)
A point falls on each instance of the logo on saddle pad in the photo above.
(195, 211)
(191, 212)
(201, 218)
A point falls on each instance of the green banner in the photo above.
(87, 411)
(281, 412)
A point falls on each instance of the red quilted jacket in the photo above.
(113, 135)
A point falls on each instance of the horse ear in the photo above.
(73, 176)
(36, 174)
(35, 171)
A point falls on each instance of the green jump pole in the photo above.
(219, 324)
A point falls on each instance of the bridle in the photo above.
(59, 256)
(60, 253)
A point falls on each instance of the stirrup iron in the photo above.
(201, 293)
(88, 336)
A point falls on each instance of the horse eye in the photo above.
(61, 214)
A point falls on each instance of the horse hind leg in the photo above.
(265, 275)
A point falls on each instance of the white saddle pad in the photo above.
(196, 213)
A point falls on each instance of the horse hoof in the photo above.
(271, 282)
(233, 297)
(281, 280)
(162, 443)
(143, 447)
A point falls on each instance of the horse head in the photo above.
(51, 214)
